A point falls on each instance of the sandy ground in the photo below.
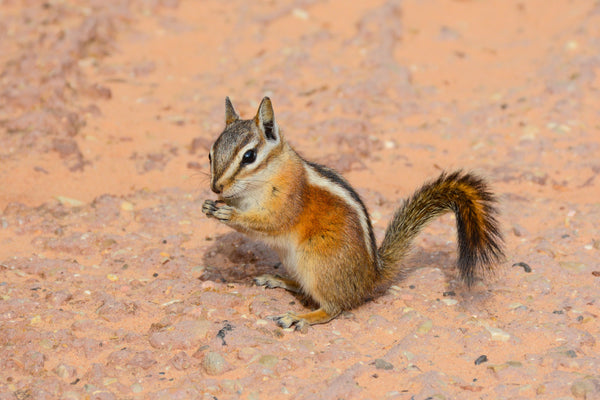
(113, 285)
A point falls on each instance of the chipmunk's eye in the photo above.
(209, 157)
(249, 157)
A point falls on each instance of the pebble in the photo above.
(268, 360)
(109, 381)
(425, 327)
(214, 363)
(137, 388)
(126, 206)
(33, 362)
(208, 285)
(519, 231)
(573, 266)
(181, 361)
(88, 387)
(59, 297)
(231, 386)
(523, 265)
(498, 334)
(585, 389)
(67, 201)
(47, 344)
(300, 14)
(481, 359)
(142, 359)
(65, 371)
(514, 363)
(198, 269)
(382, 364)
(113, 310)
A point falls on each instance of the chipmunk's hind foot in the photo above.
(302, 321)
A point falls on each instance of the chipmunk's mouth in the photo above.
(234, 192)
(233, 195)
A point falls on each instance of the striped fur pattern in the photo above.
(319, 225)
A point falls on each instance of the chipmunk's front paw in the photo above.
(224, 213)
(220, 211)
(209, 207)
(290, 319)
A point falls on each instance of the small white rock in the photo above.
(137, 388)
(449, 302)
(300, 14)
(498, 334)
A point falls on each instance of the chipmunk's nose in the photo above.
(217, 188)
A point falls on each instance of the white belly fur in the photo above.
(284, 246)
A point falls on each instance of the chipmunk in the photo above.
(320, 227)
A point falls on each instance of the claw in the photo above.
(209, 207)
(223, 213)
(285, 320)
(289, 319)
(267, 281)
(217, 209)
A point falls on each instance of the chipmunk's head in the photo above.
(240, 157)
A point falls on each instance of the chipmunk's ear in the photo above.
(230, 115)
(265, 120)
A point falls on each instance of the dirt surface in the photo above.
(113, 285)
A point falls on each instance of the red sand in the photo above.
(114, 285)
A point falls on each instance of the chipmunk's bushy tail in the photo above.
(480, 241)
